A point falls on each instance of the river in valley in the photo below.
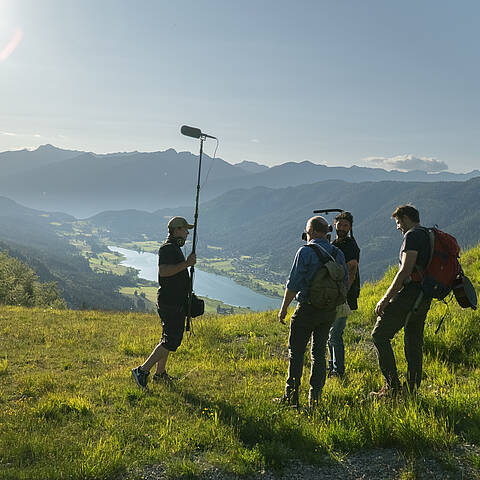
(205, 284)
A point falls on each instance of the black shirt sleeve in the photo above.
(417, 240)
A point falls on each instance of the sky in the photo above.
(343, 82)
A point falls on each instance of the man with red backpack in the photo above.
(404, 305)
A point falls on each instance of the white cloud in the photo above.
(255, 140)
(408, 163)
(12, 134)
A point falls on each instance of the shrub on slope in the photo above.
(19, 285)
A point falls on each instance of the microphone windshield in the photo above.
(191, 131)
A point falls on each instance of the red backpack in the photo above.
(443, 268)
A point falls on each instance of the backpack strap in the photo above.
(316, 248)
(430, 233)
(431, 237)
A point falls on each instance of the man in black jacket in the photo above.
(174, 282)
(347, 244)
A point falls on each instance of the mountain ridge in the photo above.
(84, 184)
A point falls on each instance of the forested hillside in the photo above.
(252, 234)
(40, 239)
(266, 224)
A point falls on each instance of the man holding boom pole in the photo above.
(173, 293)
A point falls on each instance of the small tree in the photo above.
(19, 285)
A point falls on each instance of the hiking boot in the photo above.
(408, 389)
(289, 398)
(163, 377)
(291, 401)
(140, 376)
(313, 397)
(385, 392)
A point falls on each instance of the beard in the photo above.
(341, 234)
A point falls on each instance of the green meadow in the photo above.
(69, 407)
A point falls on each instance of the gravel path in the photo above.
(377, 464)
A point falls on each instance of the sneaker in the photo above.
(334, 373)
(163, 378)
(140, 376)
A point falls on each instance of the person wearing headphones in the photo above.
(172, 296)
(347, 244)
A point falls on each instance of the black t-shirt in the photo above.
(418, 240)
(351, 251)
(173, 290)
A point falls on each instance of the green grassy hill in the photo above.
(70, 409)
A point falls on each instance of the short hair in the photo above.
(407, 211)
(319, 224)
(345, 216)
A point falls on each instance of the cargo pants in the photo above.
(308, 323)
(398, 314)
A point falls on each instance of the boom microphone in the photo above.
(329, 210)
(194, 132)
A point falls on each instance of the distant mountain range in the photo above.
(83, 184)
(19, 161)
(251, 167)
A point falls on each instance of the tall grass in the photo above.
(69, 408)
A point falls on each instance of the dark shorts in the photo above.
(173, 324)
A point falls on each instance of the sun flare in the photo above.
(7, 49)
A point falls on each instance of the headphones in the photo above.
(180, 242)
